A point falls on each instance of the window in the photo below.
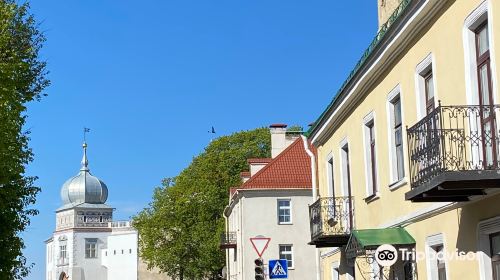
(346, 170)
(495, 255)
(370, 156)
(335, 271)
(429, 91)
(395, 136)
(426, 87)
(485, 95)
(90, 248)
(440, 262)
(286, 253)
(436, 257)
(329, 167)
(63, 258)
(284, 211)
(397, 131)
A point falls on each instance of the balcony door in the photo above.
(486, 102)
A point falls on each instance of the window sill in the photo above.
(398, 184)
(372, 197)
(285, 224)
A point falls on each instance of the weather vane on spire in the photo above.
(85, 131)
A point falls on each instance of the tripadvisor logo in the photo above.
(386, 255)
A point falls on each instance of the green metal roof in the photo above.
(367, 53)
(375, 237)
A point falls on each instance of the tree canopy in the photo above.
(22, 79)
(180, 230)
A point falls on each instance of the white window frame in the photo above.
(426, 65)
(63, 254)
(395, 182)
(485, 229)
(285, 207)
(474, 20)
(89, 242)
(288, 253)
(335, 270)
(368, 120)
(431, 242)
(330, 168)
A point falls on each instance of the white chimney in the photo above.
(279, 139)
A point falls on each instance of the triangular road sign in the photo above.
(260, 244)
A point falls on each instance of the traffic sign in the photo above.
(260, 243)
(278, 269)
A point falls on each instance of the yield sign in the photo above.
(260, 244)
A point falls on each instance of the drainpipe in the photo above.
(315, 196)
(226, 220)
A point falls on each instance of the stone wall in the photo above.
(154, 274)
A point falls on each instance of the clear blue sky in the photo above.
(151, 77)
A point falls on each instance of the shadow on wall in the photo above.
(469, 217)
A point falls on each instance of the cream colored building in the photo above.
(409, 149)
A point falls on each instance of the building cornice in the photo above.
(395, 40)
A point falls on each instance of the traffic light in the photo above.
(259, 269)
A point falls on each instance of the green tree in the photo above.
(180, 230)
(22, 79)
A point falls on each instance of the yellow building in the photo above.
(409, 149)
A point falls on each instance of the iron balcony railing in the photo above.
(228, 239)
(453, 139)
(331, 216)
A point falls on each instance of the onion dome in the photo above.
(84, 188)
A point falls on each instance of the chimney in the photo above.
(279, 138)
(385, 10)
(256, 164)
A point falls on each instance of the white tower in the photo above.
(80, 246)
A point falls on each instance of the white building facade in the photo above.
(272, 202)
(87, 244)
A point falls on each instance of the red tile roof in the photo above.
(291, 169)
(245, 174)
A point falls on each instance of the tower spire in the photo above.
(85, 162)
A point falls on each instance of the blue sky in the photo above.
(151, 77)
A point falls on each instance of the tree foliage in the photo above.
(22, 79)
(180, 230)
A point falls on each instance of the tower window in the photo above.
(90, 248)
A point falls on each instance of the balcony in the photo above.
(228, 240)
(331, 220)
(454, 154)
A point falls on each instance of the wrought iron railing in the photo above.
(331, 216)
(453, 138)
(228, 238)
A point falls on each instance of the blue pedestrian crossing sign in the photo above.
(278, 269)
